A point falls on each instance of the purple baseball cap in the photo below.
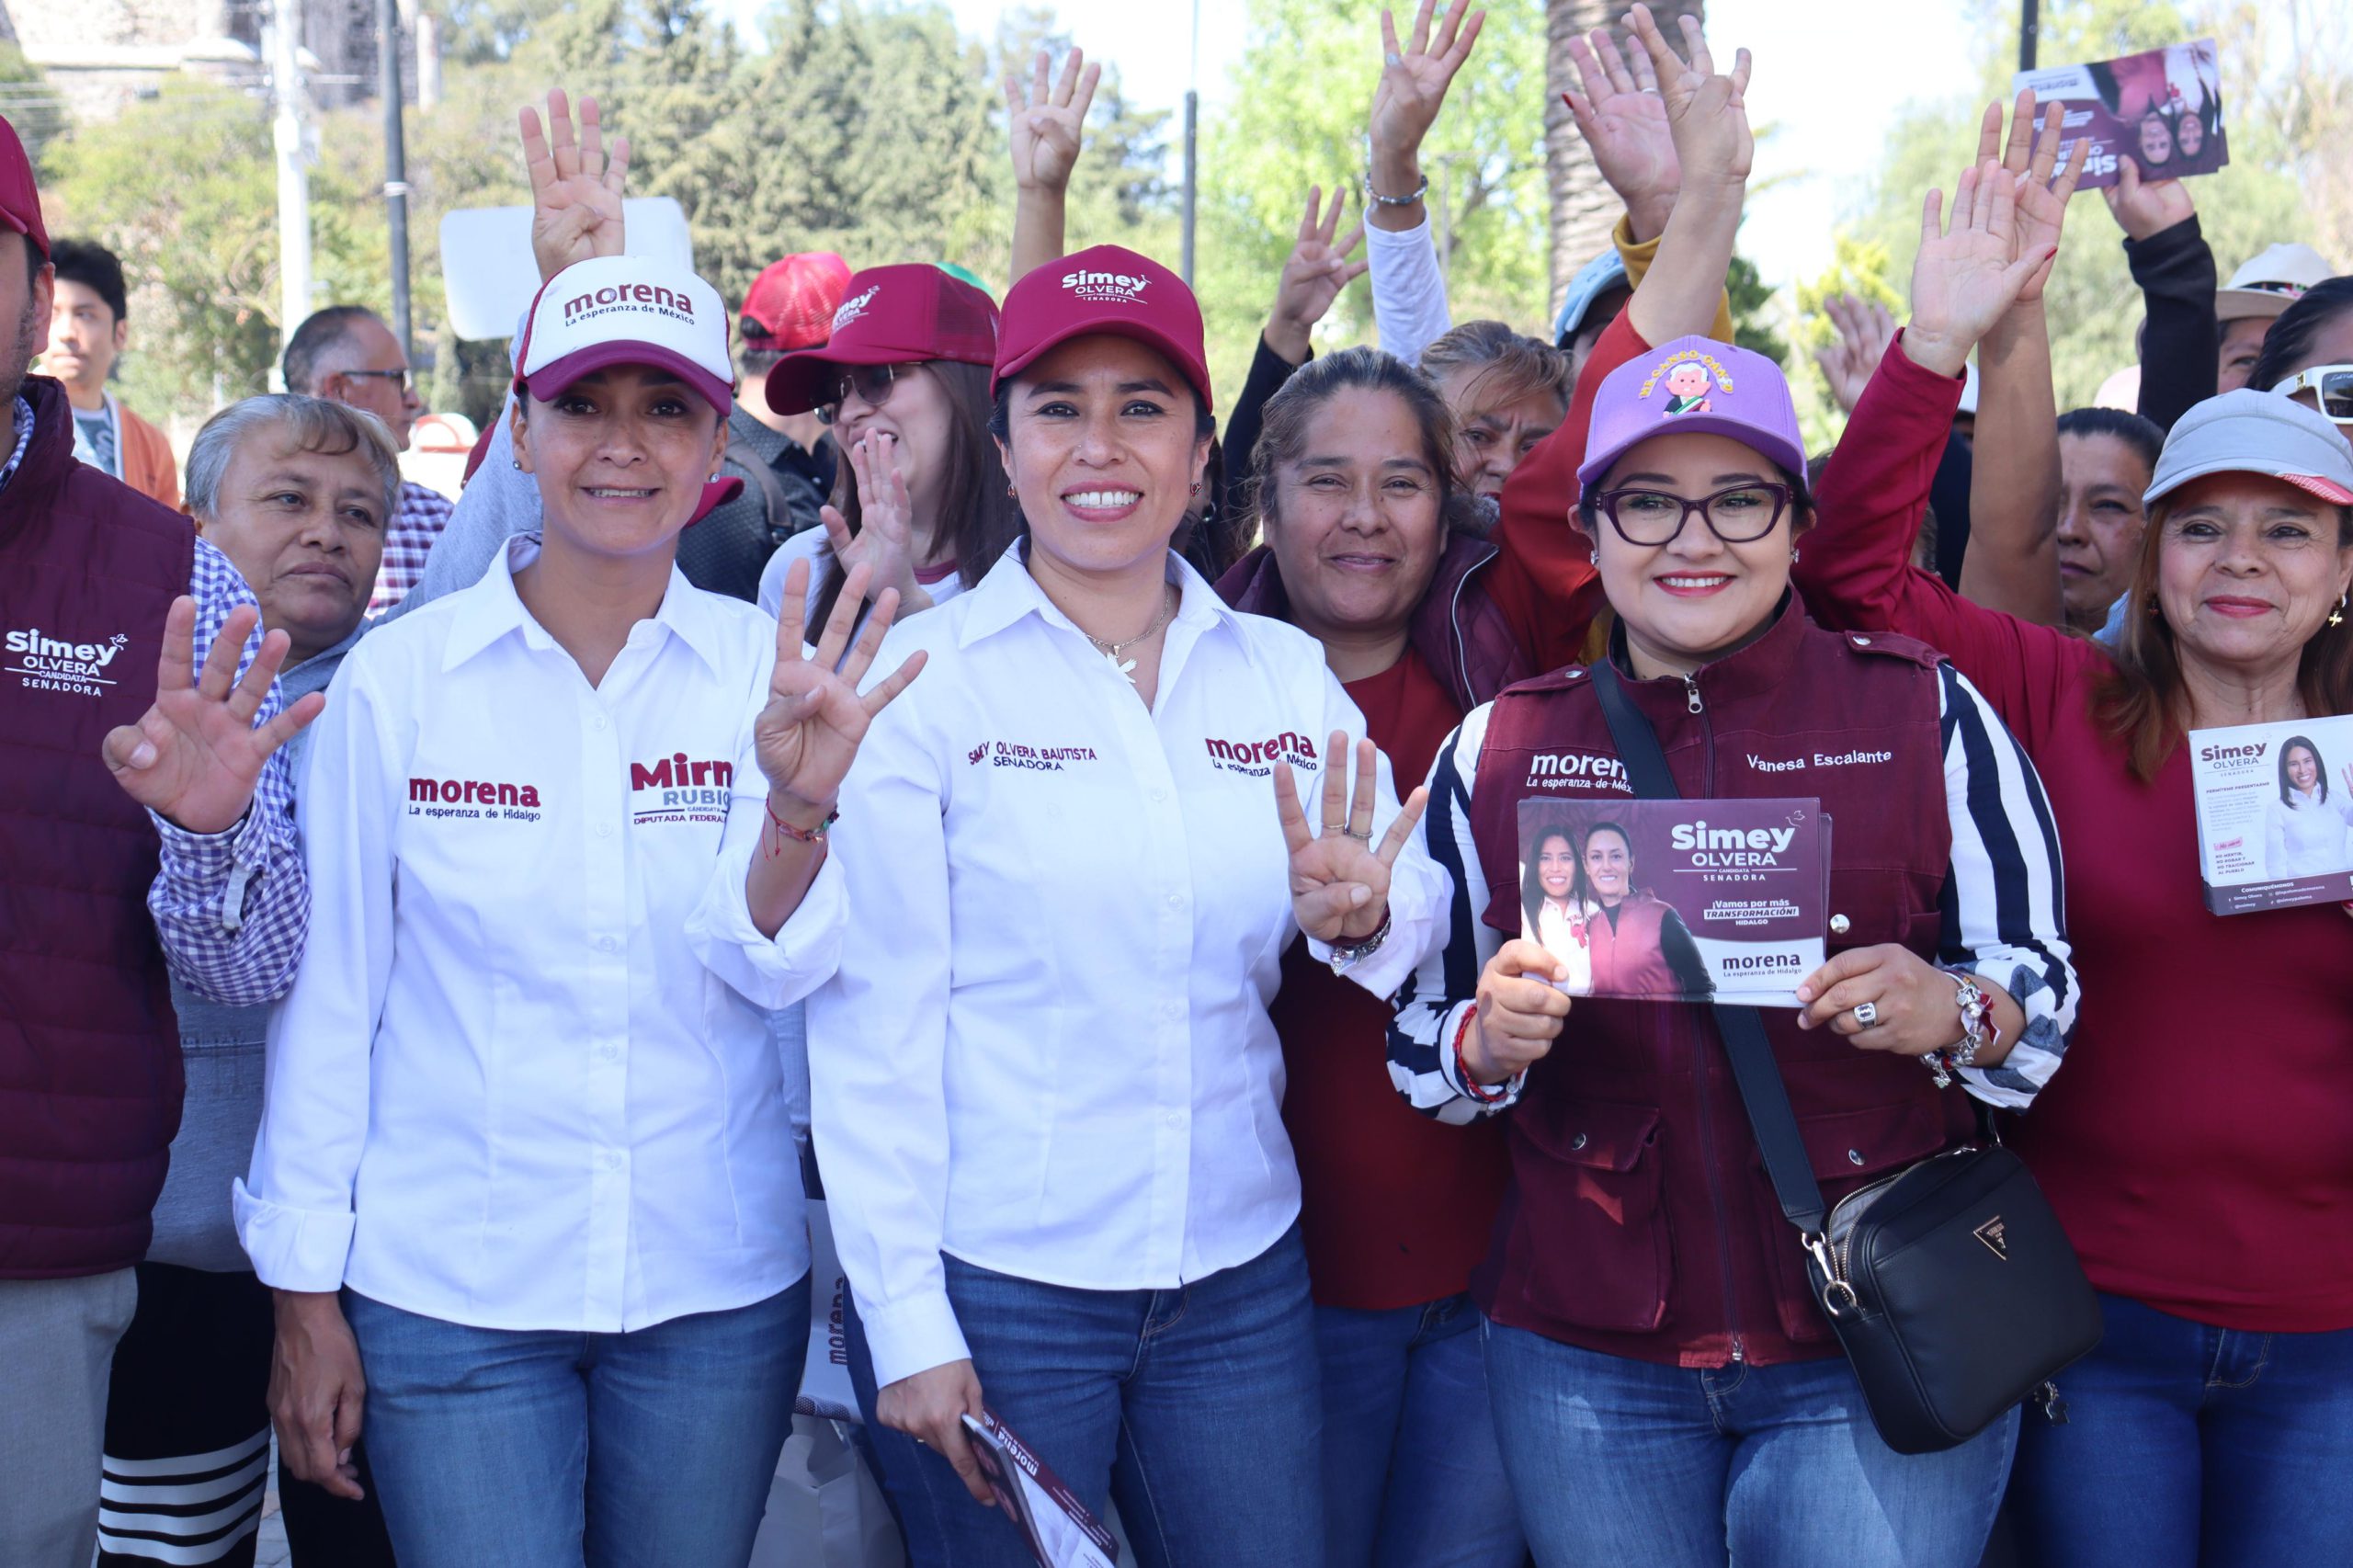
(1699, 386)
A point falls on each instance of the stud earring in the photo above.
(1011, 494)
(1595, 556)
(516, 463)
(1197, 488)
(1793, 555)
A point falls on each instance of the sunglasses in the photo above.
(874, 383)
(1741, 515)
(2331, 386)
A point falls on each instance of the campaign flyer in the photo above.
(1061, 1531)
(2274, 813)
(1678, 901)
(2163, 108)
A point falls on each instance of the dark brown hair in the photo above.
(979, 517)
(1282, 431)
(2142, 702)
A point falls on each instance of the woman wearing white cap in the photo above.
(526, 1140)
(1046, 1090)
(2195, 1146)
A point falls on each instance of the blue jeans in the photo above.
(1194, 1408)
(1616, 1460)
(1412, 1477)
(555, 1449)
(2187, 1445)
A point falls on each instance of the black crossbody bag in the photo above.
(1951, 1288)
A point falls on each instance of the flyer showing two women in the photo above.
(1678, 901)
(2162, 108)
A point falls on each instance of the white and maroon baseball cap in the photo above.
(2255, 432)
(626, 309)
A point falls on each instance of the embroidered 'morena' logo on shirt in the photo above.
(470, 793)
(1258, 757)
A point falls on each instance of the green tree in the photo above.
(1295, 116)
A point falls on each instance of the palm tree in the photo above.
(1583, 211)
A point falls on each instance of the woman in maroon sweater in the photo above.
(1364, 523)
(2197, 1146)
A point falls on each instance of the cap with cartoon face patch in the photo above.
(626, 309)
(2255, 432)
(1694, 385)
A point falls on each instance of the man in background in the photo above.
(89, 326)
(347, 354)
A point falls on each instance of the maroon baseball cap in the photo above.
(791, 304)
(1105, 288)
(890, 315)
(20, 197)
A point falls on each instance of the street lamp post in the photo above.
(293, 177)
(388, 72)
(1192, 159)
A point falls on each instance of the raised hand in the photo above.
(884, 542)
(1046, 121)
(194, 756)
(2030, 159)
(1339, 879)
(815, 718)
(1707, 114)
(1415, 75)
(1865, 328)
(1967, 275)
(576, 187)
(1623, 116)
(2145, 209)
(1317, 270)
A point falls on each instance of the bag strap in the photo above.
(1762, 1093)
(773, 505)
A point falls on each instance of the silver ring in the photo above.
(1366, 836)
(1393, 57)
(1654, 92)
(1866, 1014)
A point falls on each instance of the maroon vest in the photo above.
(1627, 954)
(89, 1052)
(1640, 1222)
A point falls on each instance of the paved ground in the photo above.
(270, 1552)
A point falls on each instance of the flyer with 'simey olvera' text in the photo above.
(1678, 901)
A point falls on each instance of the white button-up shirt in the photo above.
(524, 1079)
(1047, 1048)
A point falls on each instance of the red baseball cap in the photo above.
(20, 197)
(1105, 288)
(791, 304)
(890, 315)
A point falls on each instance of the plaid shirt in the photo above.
(407, 542)
(231, 907)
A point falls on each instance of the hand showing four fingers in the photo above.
(1340, 878)
(1416, 75)
(194, 756)
(1317, 270)
(575, 188)
(809, 732)
(1046, 121)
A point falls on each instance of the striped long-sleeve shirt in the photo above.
(2004, 910)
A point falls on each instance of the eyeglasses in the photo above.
(871, 382)
(398, 378)
(1652, 517)
(2331, 386)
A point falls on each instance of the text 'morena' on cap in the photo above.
(1695, 386)
(900, 315)
(1107, 290)
(2255, 432)
(20, 197)
(626, 309)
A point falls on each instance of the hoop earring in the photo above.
(2336, 616)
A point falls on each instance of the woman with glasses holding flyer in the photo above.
(1048, 1101)
(2195, 1146)
(1665, 1384)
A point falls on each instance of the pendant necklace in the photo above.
(1112, 650)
